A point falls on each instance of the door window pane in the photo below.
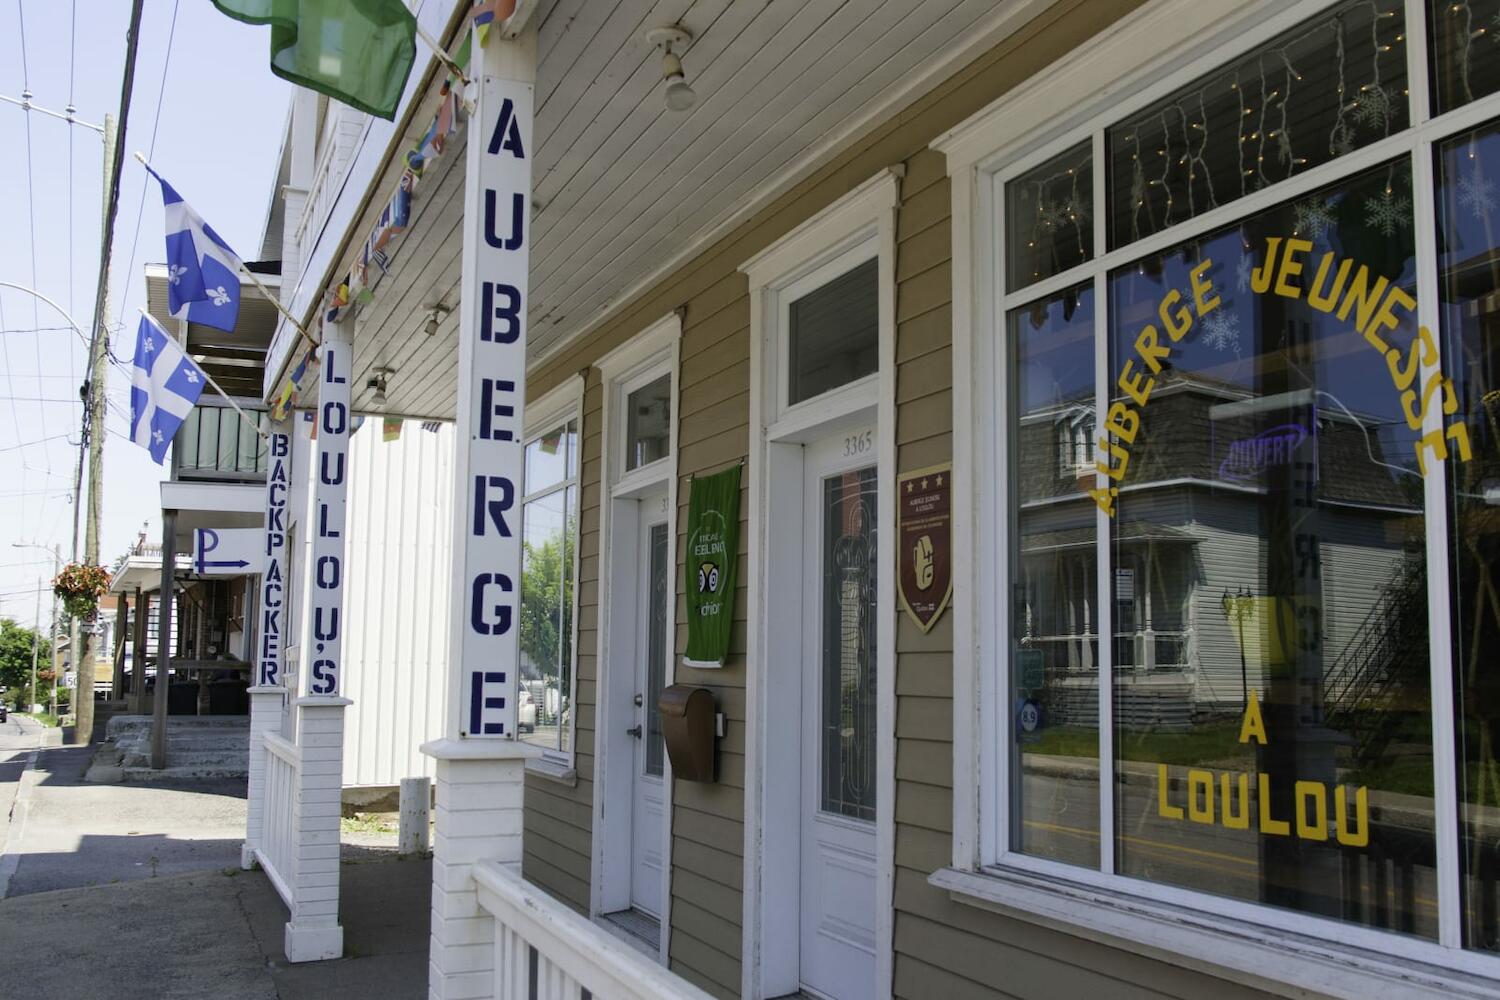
(1329, 86)
(1465, 40)
(1054, 645)
(849, 612)
(1271, 684)
(656, 647)
(648, 424)
(835, 333)
(1468, 169)
(1049, 213)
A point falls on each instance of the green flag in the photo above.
(713, 532)
(355, 51)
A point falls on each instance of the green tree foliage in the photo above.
(15, 655)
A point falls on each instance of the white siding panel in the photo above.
(396, 599)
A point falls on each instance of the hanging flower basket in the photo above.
(80, 586)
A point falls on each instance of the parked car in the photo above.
(4, 713)
(526, 711)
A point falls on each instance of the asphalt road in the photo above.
(19, 739)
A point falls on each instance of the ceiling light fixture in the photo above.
(438, 313)
(679, 95)
(377, 383)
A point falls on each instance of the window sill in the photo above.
(1247, 953)
(552, 770)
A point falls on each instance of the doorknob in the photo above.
(635, 730)
(639, 701)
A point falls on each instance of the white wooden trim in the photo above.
(642, 359)
(553, 406)
(866, 215)
(1281, 961)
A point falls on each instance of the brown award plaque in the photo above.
(924, 535)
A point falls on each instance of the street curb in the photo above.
(10, 858)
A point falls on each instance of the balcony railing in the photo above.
(214, 443)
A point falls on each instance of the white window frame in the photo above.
(858, 227)
(1146, 57)
(557, 406)
(654, 352)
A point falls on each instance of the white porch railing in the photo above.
(545, 951)
(277, 850)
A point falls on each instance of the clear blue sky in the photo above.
(221, 116)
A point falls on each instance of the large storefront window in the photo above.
(1245, 461)
(1468, 169)
(549, 529)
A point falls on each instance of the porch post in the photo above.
(139, 652)
(268, 690)
(480, 765)
(314, 932)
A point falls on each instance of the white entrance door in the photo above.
(647, 818)
(838, 724)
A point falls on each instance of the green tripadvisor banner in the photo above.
(712, 548)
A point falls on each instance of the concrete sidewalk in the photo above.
(217, 934)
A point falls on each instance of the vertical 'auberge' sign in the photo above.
(491, 391)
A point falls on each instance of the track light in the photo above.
(679, 96)
(438, 313)
(376, 382)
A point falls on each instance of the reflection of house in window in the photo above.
(1075, 442)
(1211, 464)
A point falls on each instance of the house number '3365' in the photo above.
(859, 444)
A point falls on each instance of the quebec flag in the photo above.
(165, 385)
(202, 272)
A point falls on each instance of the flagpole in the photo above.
(271, 296)
(442, 54)
(208, 378)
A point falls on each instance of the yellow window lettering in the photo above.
(1203, 297)
(1312, 791)
(1435, 383)
(1150, 350)
(1291, 267)
(1433, 441)
(1359, 836)
(1364, 297)
(1107, 449)
(1164, 808)
(1104, 497)
(1201, 781)
(1404, 375)
(1268, 824)
(1177, 323)
(1136, 387)
(1254, 726)
(1260, 278)
(1122, 421)
(1385, 317)
(1315, 296)
(1231, 820)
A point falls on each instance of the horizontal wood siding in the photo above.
(942, 948)
(557, 844)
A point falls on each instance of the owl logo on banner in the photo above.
(708, 578)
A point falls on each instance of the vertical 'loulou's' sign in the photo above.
(330, 490)
(272, 580)
(492, 387)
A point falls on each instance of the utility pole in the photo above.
(36, 633)
(94, 390)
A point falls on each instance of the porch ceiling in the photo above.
(624, 188)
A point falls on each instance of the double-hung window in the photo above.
(1245, 659)
(549, 544)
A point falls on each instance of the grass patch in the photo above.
(376, 823)
(1202, 745)
(45, 718)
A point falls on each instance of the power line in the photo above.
(161, 93)
(29, 444)
(31, 212)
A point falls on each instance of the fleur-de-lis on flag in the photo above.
(175, 273)
(218, 295)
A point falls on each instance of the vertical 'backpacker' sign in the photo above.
(330, 492)
(272, 579)
(491, 391)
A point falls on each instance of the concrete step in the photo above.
(198, 748)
